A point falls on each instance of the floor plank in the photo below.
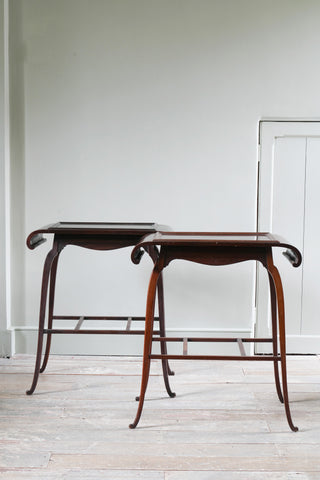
(226, 422)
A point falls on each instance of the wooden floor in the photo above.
(226, 422)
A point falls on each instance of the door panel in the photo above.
(287, 218)
(289, 196)
(311, 269)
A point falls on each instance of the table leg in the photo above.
(154, 254)
(163, 346)
(44, 290)
(147, 340)
(53, 275)
(276, 279)
(273, 300)
(164, 361)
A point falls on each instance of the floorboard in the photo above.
(226, 422)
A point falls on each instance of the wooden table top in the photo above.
(103, 229)
(214, 238)
(220, 239)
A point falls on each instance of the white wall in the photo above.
(147, 110)
(3, 323)
(6, 339)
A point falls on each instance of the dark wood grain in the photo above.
(218, 248)
(97, 236)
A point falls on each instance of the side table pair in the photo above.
(164, 246)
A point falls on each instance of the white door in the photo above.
(289, 199)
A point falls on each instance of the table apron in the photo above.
(211, 255)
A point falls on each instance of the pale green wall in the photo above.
(17, 154)
(148, 110)
(3, 313)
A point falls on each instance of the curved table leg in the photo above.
(163, 346)
(153, 252)
(273, 271)
(147, 341)
(53, 275)
(166, 371)
(273, 300)
(44, 289)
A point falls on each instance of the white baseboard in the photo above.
(296, 344)
(7, 343)
(304, 344)
(25, 341)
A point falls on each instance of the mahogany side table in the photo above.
(96, 236)
(218, 249)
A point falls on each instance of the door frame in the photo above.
(269, 131)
